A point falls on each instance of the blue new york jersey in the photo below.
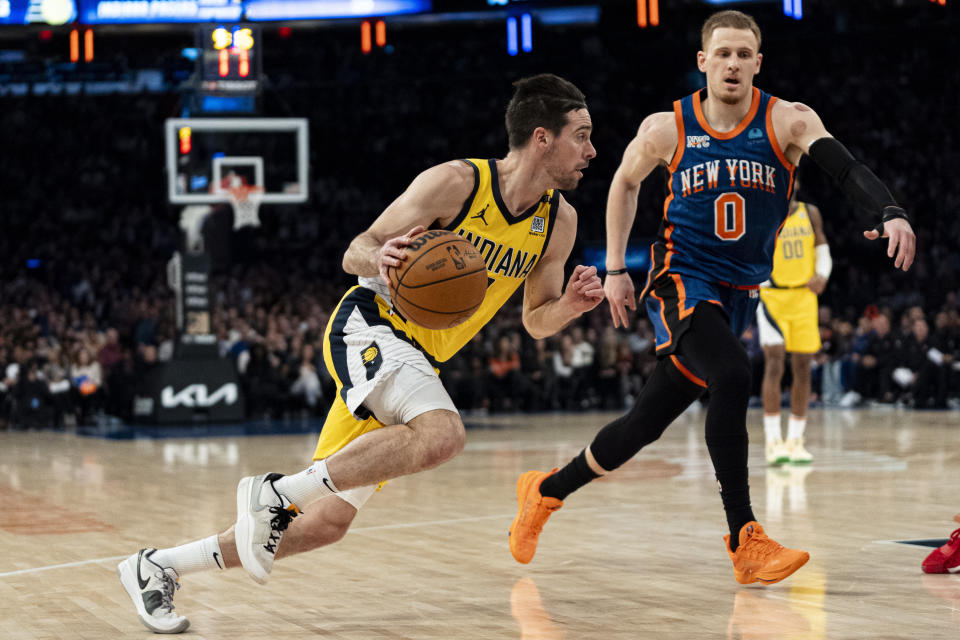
(728, 197)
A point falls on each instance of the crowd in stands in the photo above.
(86, 232)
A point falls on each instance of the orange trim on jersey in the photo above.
(772, 136)
(646, 287)
(663, 317)
(669, 242)
(698, 112)
(651, 277)
(674, 163)
(686, 372)
(681, 297)
(681, 139)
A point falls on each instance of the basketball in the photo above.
(442, 281)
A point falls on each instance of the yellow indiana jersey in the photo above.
(794, 258)
(510, 245)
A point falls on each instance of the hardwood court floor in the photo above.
(637, 555)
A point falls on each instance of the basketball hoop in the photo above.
(245, 200)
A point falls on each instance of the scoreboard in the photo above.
(229, 58)
(93, 12)
(228, 74)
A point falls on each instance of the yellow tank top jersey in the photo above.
(510, 245)
(794, 258)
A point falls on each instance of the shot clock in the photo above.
(230, 59)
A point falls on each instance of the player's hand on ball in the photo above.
(903, 242)
(584, 290)
(619, 291)
(392, 253)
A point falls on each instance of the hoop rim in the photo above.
(243, 193)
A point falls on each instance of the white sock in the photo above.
(310, 484)
(796, 427)
(771, 427)
(199, 555)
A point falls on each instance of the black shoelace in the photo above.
(278, 524)
(169, 584)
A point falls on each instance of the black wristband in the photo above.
(615, 272)
(891, 213)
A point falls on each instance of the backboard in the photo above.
(205, 156)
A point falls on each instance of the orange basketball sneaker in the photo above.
(532, 513)
(760, 559)
(945, 559)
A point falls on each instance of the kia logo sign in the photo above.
(196, 395)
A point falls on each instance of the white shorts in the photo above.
(377, 369)
(398, 398)
(768, 332)
(382, 378)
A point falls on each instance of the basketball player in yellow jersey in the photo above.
(392, 416)
(788, 322)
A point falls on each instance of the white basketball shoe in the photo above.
(798, 453)
(260, 525)
(151, 588)
(777, 452)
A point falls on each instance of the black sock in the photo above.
(735, 493)
(570, 478)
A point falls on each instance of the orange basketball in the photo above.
(442, 281)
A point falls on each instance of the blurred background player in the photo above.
(788, 323)
(730, 150)
(392, 415)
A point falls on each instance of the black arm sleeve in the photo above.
(855, 179)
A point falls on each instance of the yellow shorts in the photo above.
(789, 317)
(382, 378)
(340, 428)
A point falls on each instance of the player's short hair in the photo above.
(732, 19)
(540, 101)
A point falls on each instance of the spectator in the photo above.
(537, 367)
(873, 375)
(563, 372)
(110, 352)
(32, 402)
(87, 379)
(582, 361)
(56, 373)
(307, 383)
(920, 371)
(504, 380)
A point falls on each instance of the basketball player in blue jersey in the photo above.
(392, 416)
(730, 150)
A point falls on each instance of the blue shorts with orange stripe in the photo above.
(672, 298)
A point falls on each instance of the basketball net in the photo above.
(245, 200)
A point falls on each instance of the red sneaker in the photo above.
(945, 559)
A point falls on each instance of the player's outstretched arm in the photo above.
(798, 127)
(548, 306)
(655, 143)
(433, 199)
